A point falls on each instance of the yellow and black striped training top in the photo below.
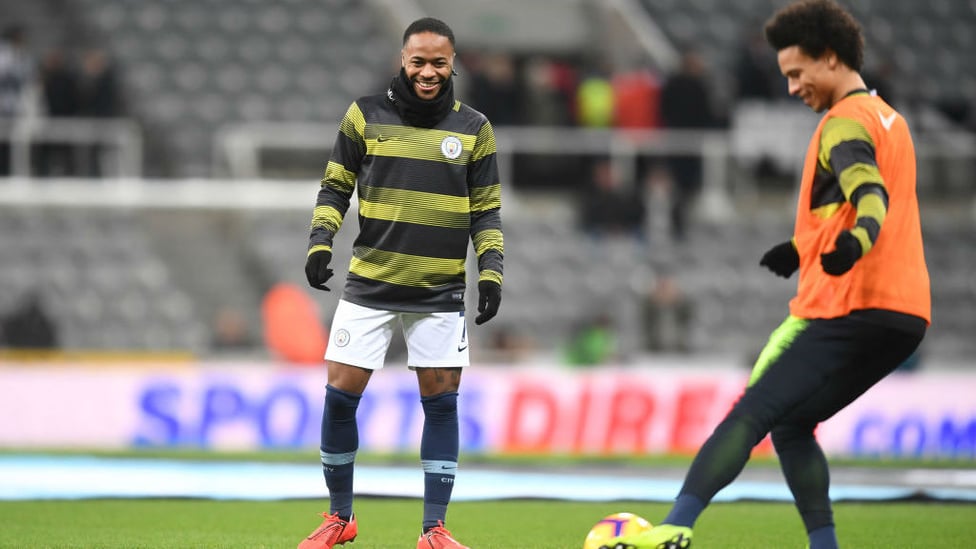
(423, 193)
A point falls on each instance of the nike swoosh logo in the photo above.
(462, 347)
(382, 138)
(887, 121)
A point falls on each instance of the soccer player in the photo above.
(863, 300)
(424, 167)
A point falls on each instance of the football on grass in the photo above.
(617, 524)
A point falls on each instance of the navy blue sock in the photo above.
(824, 537)
(685, 511)
(438, 454)
(340, 440)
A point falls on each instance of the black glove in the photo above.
(489, 298)
(782, 259)
(317, 269)
(847, 252)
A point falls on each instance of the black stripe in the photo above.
(871, 225)
(422, 240)
(847, 153)
(348, 152)
(870, 188)
(825, 189)
(419, 175)
(383, 295)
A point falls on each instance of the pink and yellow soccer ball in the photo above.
(611, 526)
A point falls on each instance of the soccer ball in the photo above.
(611, 526)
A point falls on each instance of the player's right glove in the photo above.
(782, 259)
(317, 269)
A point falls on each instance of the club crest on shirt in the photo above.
(451, 147)
(341, 338)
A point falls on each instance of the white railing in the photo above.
(120, 137)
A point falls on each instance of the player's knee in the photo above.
(340, 405)
(790, 433)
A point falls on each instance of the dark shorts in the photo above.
(812, 368)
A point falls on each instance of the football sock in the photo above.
(685, 511)
(823, 538)
(340, 440)
(438, 454)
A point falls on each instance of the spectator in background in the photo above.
(547, 100)
(880, 79)
(594, 100)
(686, 104)
(593, 343)
(17, 85)
(29, 326)
(609, 206)
(494, 88)
(636, 99)
(667, 313)
(59, 83)
(99, 97)
(550, 91)
(756, 74)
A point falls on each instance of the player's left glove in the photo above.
(489, 298)
(317, 269)
(847, 252)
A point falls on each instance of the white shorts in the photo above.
(360, 336)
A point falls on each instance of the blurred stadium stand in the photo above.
(220, 89)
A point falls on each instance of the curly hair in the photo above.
(816, 26)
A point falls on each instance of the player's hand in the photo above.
(489, 298)
(847, 251)
(782, 259)
(317, 269)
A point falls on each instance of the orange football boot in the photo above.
(438, 538)
(333, 531)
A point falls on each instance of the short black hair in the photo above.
(816, 26)
(428, 24)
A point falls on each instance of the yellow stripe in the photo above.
(485, 144)
(405, 269)
(317, 248)
(836, 131)
(493, 276)
(856, 175)
(826, 211)
(486, 198)
(353, 123)
(418, 207)
(862, 236)
(490, 239)
(873, 206)
(339, 178)
(417, 143)
(326, 217)
(780, 340)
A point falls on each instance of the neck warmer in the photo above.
(416, 111)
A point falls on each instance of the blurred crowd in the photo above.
(63, 84)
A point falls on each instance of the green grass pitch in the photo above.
(394, 524)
